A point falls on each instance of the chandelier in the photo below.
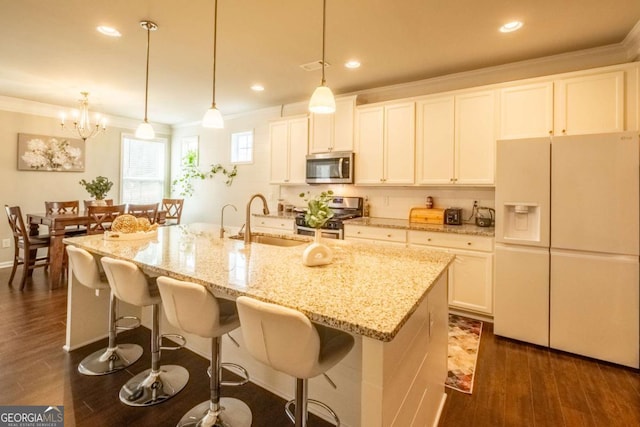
(81, 121)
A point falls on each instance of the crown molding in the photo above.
(530, 68)
(631, 43)
(17, 105)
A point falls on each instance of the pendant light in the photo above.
(145, 130)
(213, 118)
(322, 100)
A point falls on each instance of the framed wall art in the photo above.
(50, 153)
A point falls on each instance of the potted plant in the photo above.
(317, 215)
(98, 188)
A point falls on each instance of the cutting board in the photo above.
(426, 215)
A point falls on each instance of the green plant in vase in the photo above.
(318, 210)
(98, 187)
(317, 215)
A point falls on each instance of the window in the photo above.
(242, 147)
(143, 170)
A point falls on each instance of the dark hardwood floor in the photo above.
(516, 384)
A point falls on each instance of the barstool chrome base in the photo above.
(108, 360)
(233, 413)
(153, 387)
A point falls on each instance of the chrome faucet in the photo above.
(222, 218)
(265, 210)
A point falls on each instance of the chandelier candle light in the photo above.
(322, 100)
(81, 121)
(145, 130)
(213, 118)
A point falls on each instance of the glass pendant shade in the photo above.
(213, 119)
(145, 131)
(322, 101)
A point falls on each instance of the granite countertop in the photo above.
(369, 290)
(471, 229)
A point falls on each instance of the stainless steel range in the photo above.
(343, 208)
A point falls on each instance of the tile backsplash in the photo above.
(396, 202)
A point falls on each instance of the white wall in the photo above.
(212, 194)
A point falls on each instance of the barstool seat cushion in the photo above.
(288, 341)
(192, 308)
(129, 283)
(86, 269)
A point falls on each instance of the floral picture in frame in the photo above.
(50, 153)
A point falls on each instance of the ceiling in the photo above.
(51, 51)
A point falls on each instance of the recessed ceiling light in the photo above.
(257, 88)
(511, 26)
(352, 64)
(108, 31)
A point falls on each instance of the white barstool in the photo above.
(190, 307)
(286, 340)
(159, 383)
(116, 356)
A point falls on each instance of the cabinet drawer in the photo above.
(375, 233)
(271, 222)
(451, 240)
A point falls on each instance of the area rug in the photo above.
(464, 342)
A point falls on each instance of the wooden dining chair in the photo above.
(90, 202)
(29, 246)
(149, 211)
(173, 209)
(102, 217)
(68, 207)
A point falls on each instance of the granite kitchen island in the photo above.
(393, 300)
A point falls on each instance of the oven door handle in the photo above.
(340, 167)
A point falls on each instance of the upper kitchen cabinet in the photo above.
(289, 139)
(333, 132)
(455, 142)
(526, 111)
(385, 140)
(589, 104)
(593, 101)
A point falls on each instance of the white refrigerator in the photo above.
(568, 244)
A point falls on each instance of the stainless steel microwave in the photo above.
(330, 168)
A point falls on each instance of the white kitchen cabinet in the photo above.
(385, 143)
(333, 132)
(526, 111)
(289, 139)
(392, 236)
(471, 274)
(273, 224)
(455, 141)
(589, 104)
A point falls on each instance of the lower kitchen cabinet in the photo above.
(471, 275)
(390, 236)
(272, 224)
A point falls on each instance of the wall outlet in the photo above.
(6, 243)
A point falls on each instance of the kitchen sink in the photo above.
(271, 240)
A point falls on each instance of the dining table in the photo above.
(57, 224)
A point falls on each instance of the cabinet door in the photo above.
(333, 132)
(475, 138)
(399, 143)
(279, 139)
(526, 111)
(298, 140)
(589, 104)
(435, 141)
(321, 133)
(471, 281)
(369, 145)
